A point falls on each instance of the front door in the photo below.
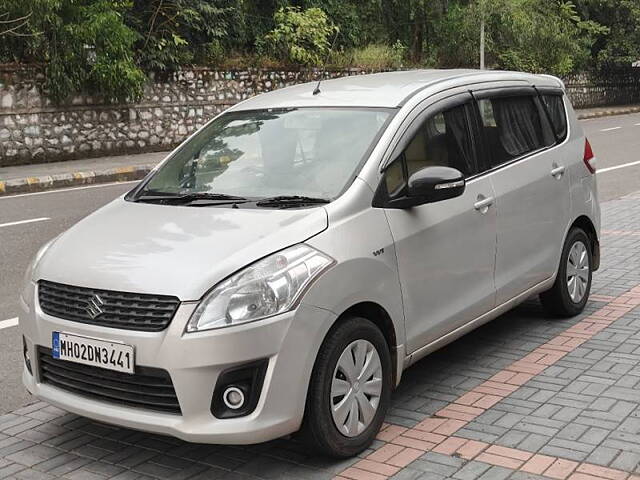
(445, 250)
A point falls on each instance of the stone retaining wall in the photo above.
(32, 130)
(615, 87)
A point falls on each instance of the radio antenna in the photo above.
(316, 90)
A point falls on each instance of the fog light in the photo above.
(25, 354)
(238, 389)
(233, 398)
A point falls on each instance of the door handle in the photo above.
(483, 204)
(556, 172)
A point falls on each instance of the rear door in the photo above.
(531, 184)
(445, 250)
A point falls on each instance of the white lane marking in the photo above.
(624, 165)
(637, 124)
(12, 322)
(20, 222)
(609, 129)
(112, 184)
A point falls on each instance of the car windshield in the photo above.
(311, 152)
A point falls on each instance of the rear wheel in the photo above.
(349, 391)
(570, 292)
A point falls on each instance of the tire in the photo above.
(561, 300)
(319, 429)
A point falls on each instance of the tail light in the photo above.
(589, 158)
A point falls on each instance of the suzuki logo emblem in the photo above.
(94, 306)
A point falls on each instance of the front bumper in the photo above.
(194, 361)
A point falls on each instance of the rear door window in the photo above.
(512, 127)
(557, 114)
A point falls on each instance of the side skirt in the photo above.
(477, 322)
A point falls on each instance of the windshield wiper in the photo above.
(186, 198)
(285, 201)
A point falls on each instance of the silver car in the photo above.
(285, 264)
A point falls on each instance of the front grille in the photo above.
(149, 388)
(131, 311)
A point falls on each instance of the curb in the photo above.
(607, 113)
(63, 180)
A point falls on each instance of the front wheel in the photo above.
(349, 391)
(570, 292)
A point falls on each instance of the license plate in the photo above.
(91, 351)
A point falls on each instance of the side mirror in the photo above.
(433, 184)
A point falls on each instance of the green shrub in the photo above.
(379, 57)
(211, 53)
(300, 36)
(83, 45)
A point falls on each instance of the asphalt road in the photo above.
(616, 143)
(615, 140)
(18, 244)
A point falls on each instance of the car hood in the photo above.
(171, 250)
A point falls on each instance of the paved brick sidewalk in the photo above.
(525, 396)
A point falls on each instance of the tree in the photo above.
(412, 22)
(621, 43)
(359, 21)
(13, 26)
(300, 36)
(543, 37)
(173, 33)
(525, 35)
(83, 44)
(105, 47)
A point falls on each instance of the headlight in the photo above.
(28, 274)
(266, 288)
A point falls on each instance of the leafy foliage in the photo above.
(84, 44)
(373, 56)
(525, 35)
(300, 36)
(358, 21)
(620, 45)
(178, 32)
(105, 47)
(552, 38)
(412, 22)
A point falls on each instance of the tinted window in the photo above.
(557, 115)
(512, 127)
(443, 139)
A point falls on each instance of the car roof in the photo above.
(385, 90)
